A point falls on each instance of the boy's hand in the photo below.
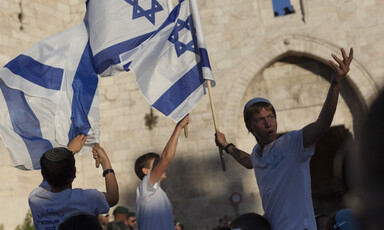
(342, 66)
(220, 140)
(183, 122)
(99, 154)
(77, 143)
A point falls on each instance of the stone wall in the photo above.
(252, 53)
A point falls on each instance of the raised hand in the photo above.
(77, 143)
(184, 122)
(220, 140)
(342, 66)
(100, 156)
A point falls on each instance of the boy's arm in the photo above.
(240, 156)
(313, 131)
(168, 152)
(112, 194)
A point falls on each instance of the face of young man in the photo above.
(263, 126)
(132, 222)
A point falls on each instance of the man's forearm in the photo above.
(329, 108)
(112, 188)
(240, 156)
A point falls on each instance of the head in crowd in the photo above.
(58, 167)
(145, 163)
(179, 226)
(120, 214)
(81, 222)
(343, 219)
(132, 220)
(367, 169)
(250, 221)
(262, 126)
(103, 219)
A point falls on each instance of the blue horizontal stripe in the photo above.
(84, 88)
(111, 55)
(180, 91)
(43, 75)
(25, 123)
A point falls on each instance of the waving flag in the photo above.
(172, 66)
(48, 95)
(117, 27)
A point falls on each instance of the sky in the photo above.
(279, 5)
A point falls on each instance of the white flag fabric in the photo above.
(48, 95)
(171, 67)
(117, 27)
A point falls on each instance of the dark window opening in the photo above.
(282, 7)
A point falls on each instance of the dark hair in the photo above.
(250, 221)
(256, 108)
(144, 162)
(80, 222)
(58, 167)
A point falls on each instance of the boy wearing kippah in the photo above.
(54, 200)
(154, 210)
(281, 164)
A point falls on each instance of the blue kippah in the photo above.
(345, 220)
(255, 100)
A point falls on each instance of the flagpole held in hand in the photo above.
(215, 122)
(186, 131)
(97, 159)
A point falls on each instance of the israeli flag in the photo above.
(118, 27)
(171, 67)
(48, 95)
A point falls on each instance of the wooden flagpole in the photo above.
(97, 159)
(215, 122)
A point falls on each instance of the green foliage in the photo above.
(1, 227)
(28, 223)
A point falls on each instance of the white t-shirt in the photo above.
(284, 181)
(154, 210)
(50, 209)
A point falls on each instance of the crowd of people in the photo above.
(281, 166)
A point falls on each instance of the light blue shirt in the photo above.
(284, 181)
(154, 210)
(50, 209)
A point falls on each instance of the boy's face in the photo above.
(263, 126)
(132, 222)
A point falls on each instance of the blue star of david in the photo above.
(174, 37)
(139, 12)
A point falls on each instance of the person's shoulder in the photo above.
(294, 132)
(89, 193)
(37, 192)
(290, 135)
